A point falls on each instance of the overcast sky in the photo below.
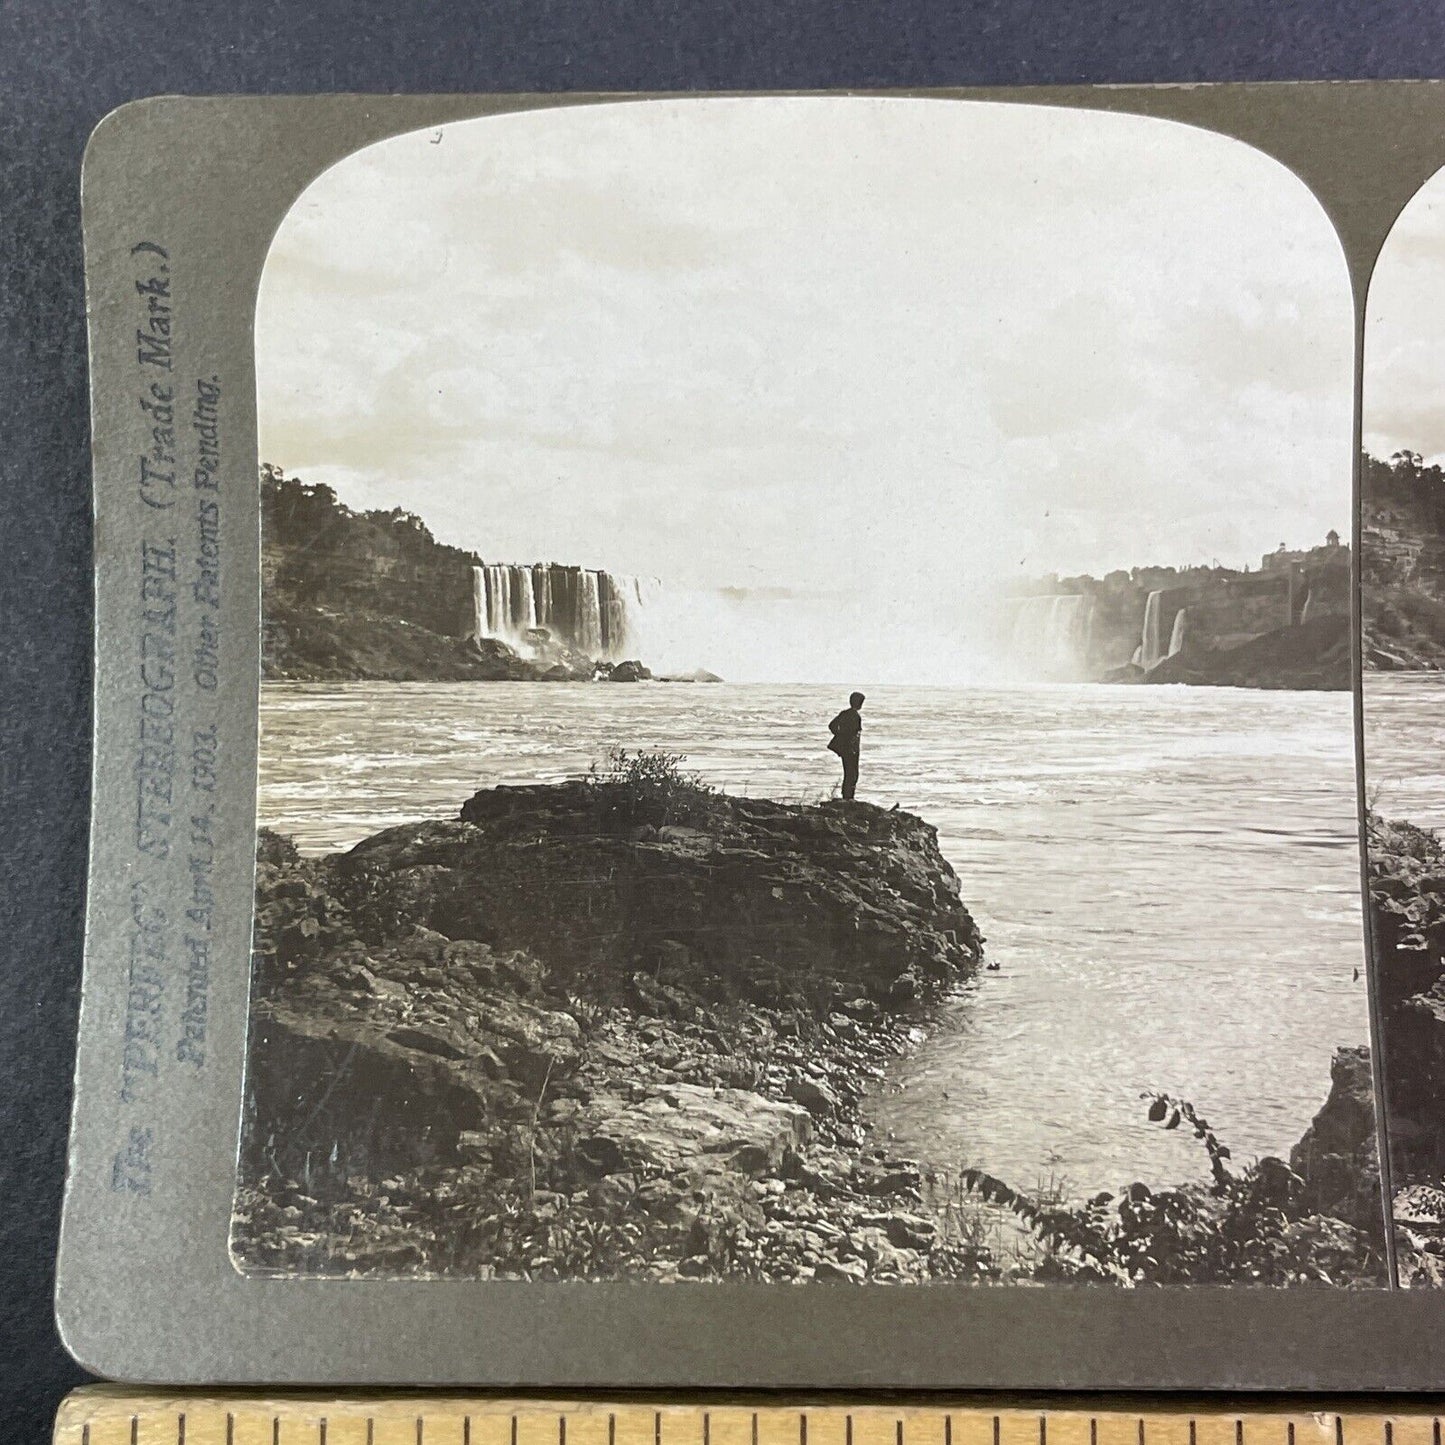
(812, 341)
(1405, 333)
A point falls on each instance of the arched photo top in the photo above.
(671, 337)
(1404, 401)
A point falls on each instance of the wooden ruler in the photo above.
(109, 1415)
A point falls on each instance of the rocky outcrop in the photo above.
(1337, 1159)
(599, 1030)
(622, 1028)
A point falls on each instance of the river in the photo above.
(1168, 878)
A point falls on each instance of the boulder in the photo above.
(630, 671)
(1336, 1158)
(687, 1129)
(816, 1097)
(398, 1062)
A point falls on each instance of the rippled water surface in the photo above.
(1168, 877)
(1405, 745)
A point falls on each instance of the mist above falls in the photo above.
(882, 631)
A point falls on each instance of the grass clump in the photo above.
(649, 787)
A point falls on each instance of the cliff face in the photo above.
(1223, 609)
(374, 596)
(315, 553)
(1313, 656)
(1402, 563)
(1286, 625)
(362, 595)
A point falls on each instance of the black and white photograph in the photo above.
(806, 731)
(1402, 586)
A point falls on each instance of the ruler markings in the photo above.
(132, 1418)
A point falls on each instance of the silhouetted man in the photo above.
(847, 730)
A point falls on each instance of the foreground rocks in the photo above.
(596, 1030)
(622, 1028)
(1337, 1159)
(1407, 916)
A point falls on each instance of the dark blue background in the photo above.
(63, 66)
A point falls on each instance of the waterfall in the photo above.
(1176, 634)
(1151, 642)
(499, 602)
(589, 619)
(593, 611)
(1050, 634)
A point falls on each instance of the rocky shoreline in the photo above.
(623, 1027)
(1407, 914)
(592, 1031)
(316, 644)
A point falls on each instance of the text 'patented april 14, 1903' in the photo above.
(177, 479)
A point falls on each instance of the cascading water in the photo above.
(1177, 632)
(1049, 634)
(589, 622)
(595, 612)
(1151, 642)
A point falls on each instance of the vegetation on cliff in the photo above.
(1402, 563)
(357, 596)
